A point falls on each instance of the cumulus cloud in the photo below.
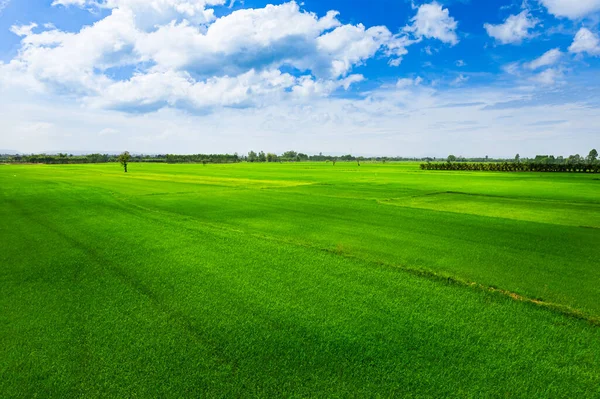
(71, 60)
(572, 9)
(550, 57)
(248, 38)
(151, 12)
(271, 36)
(434, 22)
(177, 89)
(232, 61)
(152, 91)
(586, 42)
(514, 29)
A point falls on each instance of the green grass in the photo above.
(297, 280)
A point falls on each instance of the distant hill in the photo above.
(8, 152)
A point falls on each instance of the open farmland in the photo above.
(298, 280)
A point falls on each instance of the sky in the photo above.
(379, 77)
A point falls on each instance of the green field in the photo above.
(297, 280)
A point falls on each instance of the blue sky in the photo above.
(384, 77)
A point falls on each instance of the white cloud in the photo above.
(271, 36)
(350, 45)
(572, 9)
(151, 12)
(232, 61)
(434, 22)
(585, 42)
(411, 121)
(70, 61)
(460, 79)
(241, 40)
(66, 3)
(177, 89)
(512, 69)
(306, 87)
(549, 77)
(407, 82)
(151, 91)
(549, 58)
(514, 29)
(545, 70)
(23, 30)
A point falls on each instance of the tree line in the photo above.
(541, 163)
(252, 156)
(105, 158)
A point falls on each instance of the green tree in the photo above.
(252, 156)
(574, 159)
(290, 155)
(124, 159)
(262, 157)
(271, 157)
(451, 158)
(517, 158)
(593, 156)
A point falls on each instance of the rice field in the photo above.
(297, 280)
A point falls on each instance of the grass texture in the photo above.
(297, 280)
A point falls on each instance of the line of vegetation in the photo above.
(63, 158)
(252, 156)
(541, 163)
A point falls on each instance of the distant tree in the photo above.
(593, 156)
(451, 158)
(252, 156)
(124, 159)
(301, 157)
(271, 157)
(262, 157)
(517, 158)
(574, 159)
(290, 155)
